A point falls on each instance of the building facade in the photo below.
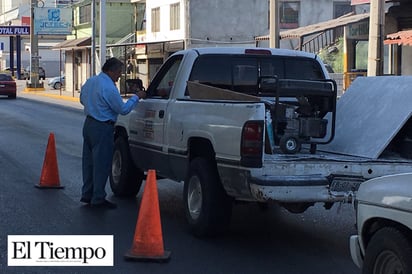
(18, 13)
(171, 25)
(151, 30)
(121, 17)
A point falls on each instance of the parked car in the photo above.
(56, 82)
(384, 220)
(8, 70)
(42, 73)
(7, 85)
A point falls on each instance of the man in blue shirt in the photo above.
(102, 104)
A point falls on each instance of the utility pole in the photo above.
(274, 24)
(102, 34)
(376, 32)
(93, 50)
(34, 52)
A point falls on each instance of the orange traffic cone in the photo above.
(148, 239)
(50, 172)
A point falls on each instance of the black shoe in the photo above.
(85, 200)
(105, 204)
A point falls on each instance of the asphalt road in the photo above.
(258, 241)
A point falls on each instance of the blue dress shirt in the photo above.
(101, 99)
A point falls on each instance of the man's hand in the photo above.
(141, 94)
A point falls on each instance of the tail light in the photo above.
(258, 51)
(251, 145)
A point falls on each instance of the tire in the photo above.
(389, 251)
(57, 85)
(289, 144)
(125, 178)
(208, 208)
(11, 96)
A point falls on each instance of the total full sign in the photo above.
(14, 30)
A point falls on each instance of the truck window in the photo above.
(163, 82)
(304, 69)
(291, 68)
(213, 70)
(274, 66)
(240, 73)
(245, 75)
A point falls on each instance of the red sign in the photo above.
(25, 20)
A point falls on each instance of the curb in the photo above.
(62, 97)
(34, 89)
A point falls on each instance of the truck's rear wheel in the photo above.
(125, 178)
(208, 208)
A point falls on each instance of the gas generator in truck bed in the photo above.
(298, 114)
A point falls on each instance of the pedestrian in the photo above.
(102, 104)
(129, 67)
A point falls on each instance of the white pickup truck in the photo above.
(240, 124)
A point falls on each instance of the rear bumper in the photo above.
(295, 189)
(7, 92)
(251, 185)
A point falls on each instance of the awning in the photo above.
(9, 16)
(319, 27)
(401, 38)
(74, 43)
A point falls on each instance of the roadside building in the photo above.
(158, 28)
(172, 25)
(15, 49)
(152, 30)
(354, 29)
(398, 38)
(121, 23)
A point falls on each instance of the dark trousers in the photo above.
(97, 158)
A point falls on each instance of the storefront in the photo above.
(77, 62)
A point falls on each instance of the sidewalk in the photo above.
(61, 94)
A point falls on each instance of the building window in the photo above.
(156, 20)
(85, 14)
(175, 16)
(289, 15)
(341, 8)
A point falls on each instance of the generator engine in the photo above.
(298, 114)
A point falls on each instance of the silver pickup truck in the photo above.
(240, 124)
(383, 244)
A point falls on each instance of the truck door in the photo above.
(147, 122)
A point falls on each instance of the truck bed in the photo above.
(321, 177)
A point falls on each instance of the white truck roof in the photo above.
(242, 50)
